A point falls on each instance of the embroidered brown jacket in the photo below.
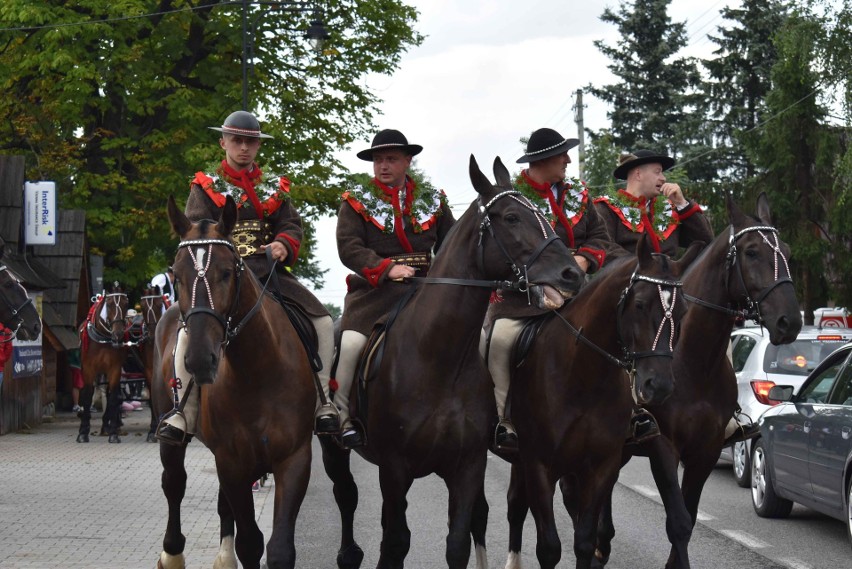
(688, 225)
(368, 250)
(286, 224)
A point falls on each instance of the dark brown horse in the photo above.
(431, 404)
(257, 393)
(744, 271)
(17, 311)
(154, 305)
(573, 394)
(103, 351)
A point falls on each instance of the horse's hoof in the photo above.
(350, 557)
(152, 438)
(82, 438)
(114, 439)
(599, 560)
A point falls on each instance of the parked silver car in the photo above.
(804, 452)
(760, 366)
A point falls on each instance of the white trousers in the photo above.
(351, 345)
(188, 423)
(504, 333)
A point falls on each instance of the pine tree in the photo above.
(739, 82)
(655, 91)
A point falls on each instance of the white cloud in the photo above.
(488, 73)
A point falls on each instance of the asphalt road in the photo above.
(99, 506)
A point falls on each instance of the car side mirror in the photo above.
(780, 393)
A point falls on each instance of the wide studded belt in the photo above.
(417, 260)
(250, 234)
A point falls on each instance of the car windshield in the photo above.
(800, 357)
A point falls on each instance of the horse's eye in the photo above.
(639, 304)
(751, 253)
(513, 218)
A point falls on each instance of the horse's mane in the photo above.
(451, 234)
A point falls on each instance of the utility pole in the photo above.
(578, 118)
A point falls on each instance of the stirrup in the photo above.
(352, 435)
(327, 420)
(643, 426)
(171, 435)
(505, 437)
(744, 432)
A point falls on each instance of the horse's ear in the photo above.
(501, 174)
(689, 256)
(735, 214)
(228, 218)
(180, 223)
(763, 213)
(480, 183)
(644, 248)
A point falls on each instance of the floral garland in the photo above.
(574, 205)
(663, 221)
(426, 205)
(268, 187)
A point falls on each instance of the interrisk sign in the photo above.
(40, 213)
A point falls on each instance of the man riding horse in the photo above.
(568, 206)
(649, 204)
(386, 231)
(268, 225)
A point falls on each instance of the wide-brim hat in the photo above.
(629, 161)
(241, 123)
(389, 139)
(544, 143)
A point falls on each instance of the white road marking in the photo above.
(647, 491)
(744, 538)
(794, 563)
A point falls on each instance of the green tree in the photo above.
(333, 309)
(655, 91)
(601, 159)
(739, 82)
(795, 152)
(111, 99)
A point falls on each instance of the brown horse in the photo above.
(257, 393)
(103, 351)
(571, 396)
(17, 311)
(154, 305)
(431, 403)
(743, 272)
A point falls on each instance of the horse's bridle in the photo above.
(520, 270)
(520, 284)
(629, 357)
(105, 336)
(15, 311)
(752, 306)
(201, 277)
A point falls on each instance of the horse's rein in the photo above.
(752, 310)
(629, 361)
(15, 312)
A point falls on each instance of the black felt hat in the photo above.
(627, 162)
(544, 143)
(241, 123)
(389, 139)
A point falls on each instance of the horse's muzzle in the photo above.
(547, 297)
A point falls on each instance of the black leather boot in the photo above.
(643, 426)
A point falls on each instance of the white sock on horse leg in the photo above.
(351, 345)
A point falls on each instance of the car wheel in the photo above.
(742, 464)
(849, 509)
(767, 504)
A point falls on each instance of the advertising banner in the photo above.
(40, 213)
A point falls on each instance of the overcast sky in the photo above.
(488, 73)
